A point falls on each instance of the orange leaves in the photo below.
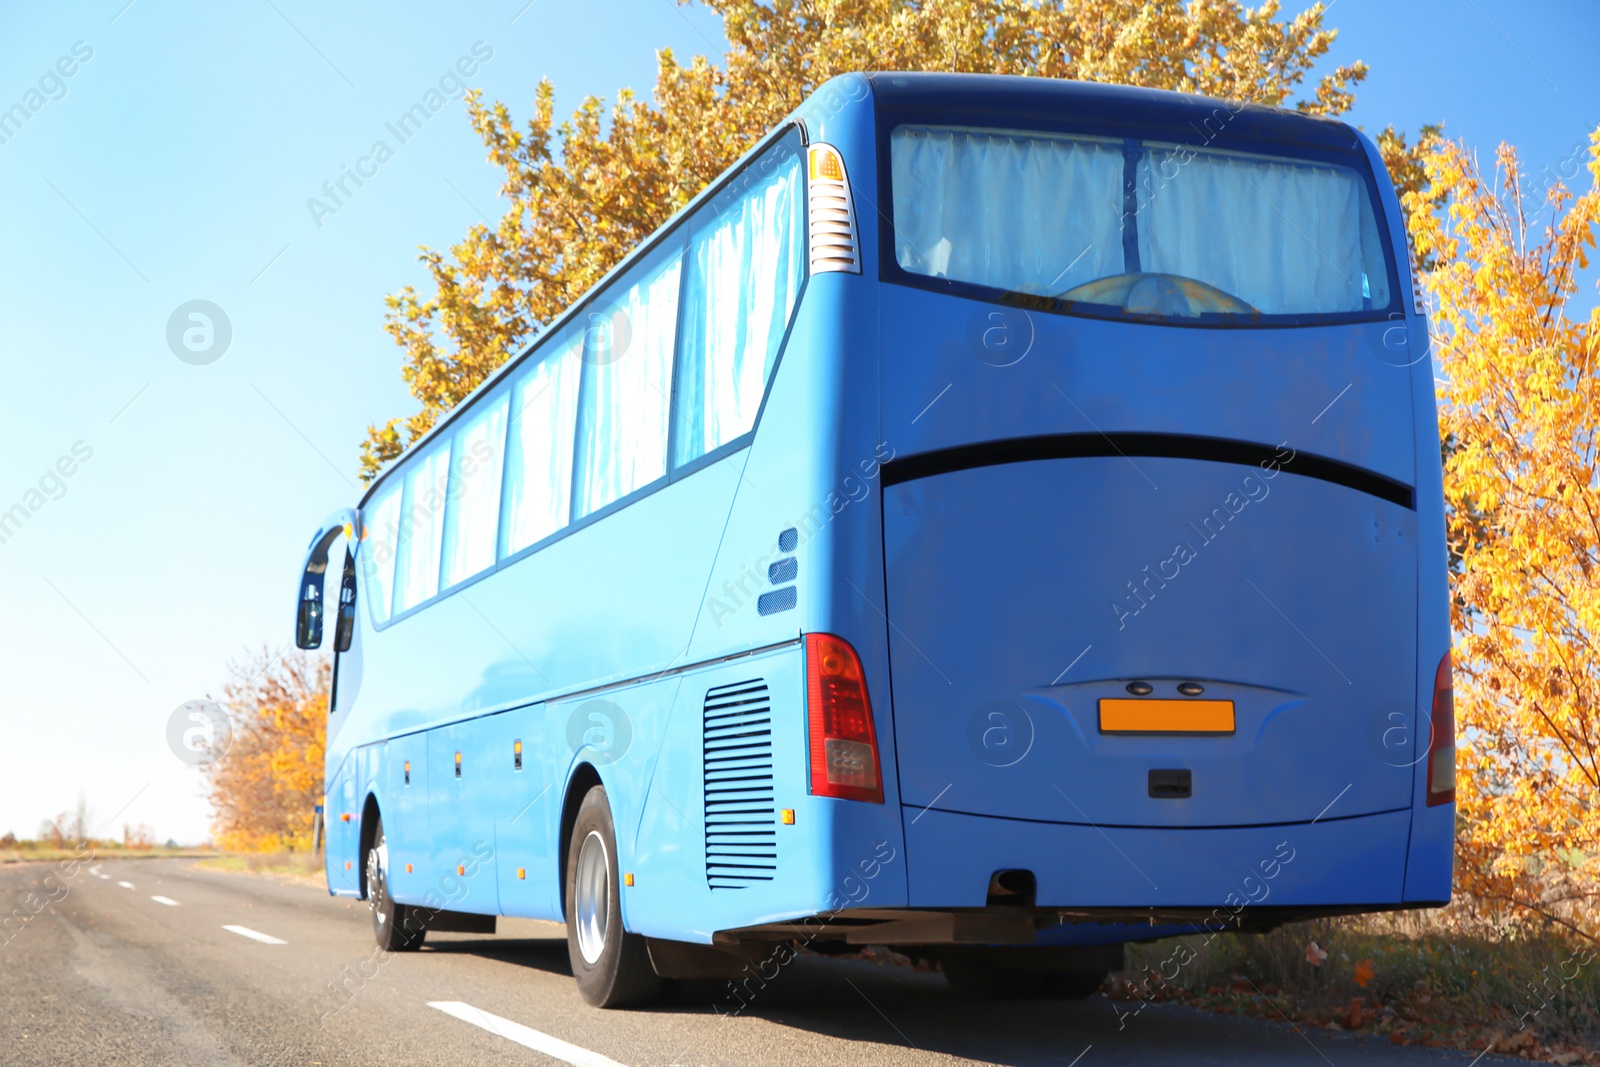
(265, 787)
(583, 192)
(1364, 972)
(1520, 404)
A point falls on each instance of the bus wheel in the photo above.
(982, 973)
(396, 927)
(611, 965)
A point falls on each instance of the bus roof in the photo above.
(1109, 105)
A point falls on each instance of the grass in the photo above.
(31, 853)
(301, 867)
(1420, 978)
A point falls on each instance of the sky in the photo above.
(175, 163)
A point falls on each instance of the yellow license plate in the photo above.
(1122, 716)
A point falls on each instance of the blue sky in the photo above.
(175, 164)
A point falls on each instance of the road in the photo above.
(160, 962)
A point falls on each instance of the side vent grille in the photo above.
(832, 215)
(740, 813)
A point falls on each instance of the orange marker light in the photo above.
(345, 817)
(825, 164)
(461, 868)
(788, 816)
(522, 873)
(408, 868)
(627, 879)
(347, 865)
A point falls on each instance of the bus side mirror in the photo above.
(344, 625)
(308, 619)
(308, 613)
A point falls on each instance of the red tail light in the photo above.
(1442, 739)
(844, 745)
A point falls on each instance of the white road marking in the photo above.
(254, 935)
(525, 1036)
(168, 901)
(107, 877)
(95, 869)
(126, 885)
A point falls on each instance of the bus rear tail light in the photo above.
(833, 245)
(1442, 739)
(844, 744)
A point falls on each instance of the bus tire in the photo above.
(396, 927)
(611, 965)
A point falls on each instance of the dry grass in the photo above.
(304, 868)
(1430, 978)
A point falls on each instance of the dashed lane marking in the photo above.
(525, 1036)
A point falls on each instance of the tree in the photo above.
(1520, 411)
(585, 192)
(265, 787)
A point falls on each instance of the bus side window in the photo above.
(472, 507)
(380, 536)
(416, 576)
(544, 412)
(747, 261)
(627, 380)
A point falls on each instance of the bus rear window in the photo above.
(1128, 227)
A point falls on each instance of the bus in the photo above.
(999, 519)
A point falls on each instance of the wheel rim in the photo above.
(377, 890)
(592, 897)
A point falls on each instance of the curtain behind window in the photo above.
(746, 265)
(1283, 237)
(627, 355)
(421, 527)
(472, 516)
(544, 411)
(1033, 213)
(380, 544)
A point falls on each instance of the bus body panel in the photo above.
(460, 812)
(992, 372)
(526, 809)
(343, 835)
(407, 828)
(1071, 578)
(1334, 862)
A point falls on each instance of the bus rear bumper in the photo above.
(1331, 863)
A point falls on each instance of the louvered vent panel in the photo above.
(740, 817)
(832, 215)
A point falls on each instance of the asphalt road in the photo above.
(141, 962)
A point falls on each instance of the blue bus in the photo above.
(1000, 519)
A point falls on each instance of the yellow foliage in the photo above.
(1520, 412)
(265, 786)
(586, 191)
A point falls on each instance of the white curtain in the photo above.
(746, 264)
(1028, 212)
(380, 543)
(1284, 237)
(472, 515)
(622, 438)
(544, 411)
(421, 527)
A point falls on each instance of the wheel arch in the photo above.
(584, 778)
(369, 827)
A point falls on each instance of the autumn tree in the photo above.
(584, 192)
(1520, 410)
(266, 784)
